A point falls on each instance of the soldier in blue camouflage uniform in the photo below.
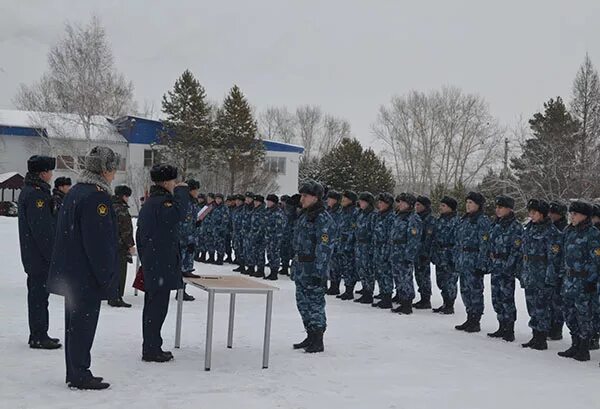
(539, 274)
(558, 215)
(442, 254)
(274, 228)
(236, 222)
(314, 249)
(581, 248)
(287, 251)
(206, 229)
(382, 250)
(200, 241)
(423, 261)
(246, 220)
(471, 256)
(257, 241)
(219, 220)
(188, 236)
(595, 342)
(405, 244)
(334, 208)
(504, 260)
(347, 238)
(230, 205)
(364, 246)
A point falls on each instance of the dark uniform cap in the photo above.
(193, 184)
(350, 194)
(123, 190)
(424, 200)
(450, 202)
(273, 198)
(240, 197)
(312, 188)
(201, 196)
(558, 208)
(249, 194)
(259, 198)
(219, 195)
(505, 201)
(538, 205)
(211, 195)
(581, 207)
(284, 198)
(406, 198)
(596, 210)
(334, 194)
(386, 198)
(230, 198)
(62, 181)
(476, 197)
(162, 173)
(37, 164)
(367, 197)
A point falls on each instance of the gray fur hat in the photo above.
(101, 159)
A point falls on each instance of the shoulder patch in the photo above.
(517, 242)
(39, 203)
(325, 238)
(430, 231)
(555, 248)
(485, 237)
(102, 209)
(168, 204)
(413, 231)
(597, 252)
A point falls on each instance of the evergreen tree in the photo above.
(545, 168)
(187, 125)
(349, 167)
(240, 150)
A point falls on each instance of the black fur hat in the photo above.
(406, 198)
(273, 198)
(476, 197)
(162, 173)
(37, 164)
(386, 197)
(450, 202)
(505, 201)
(123, 190)
(312, 188)
(62, 181)
(538, 205)
(581, 207)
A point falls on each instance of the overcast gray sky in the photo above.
(347, 56)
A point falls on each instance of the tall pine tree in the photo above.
(235, 135)
(187, 125)
(545, 168)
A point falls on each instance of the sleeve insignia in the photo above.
(556, 249)
(485, 237)
(517, 242)
(102, 209)
(39, 203)
(325, 238)
(429, 231)
(413, 231)
(597, 252)
(168, 204)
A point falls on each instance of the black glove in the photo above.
(129, 259)
(590, 287)
(191, 248)
(423, 259)
(479, 273)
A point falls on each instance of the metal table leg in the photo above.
(209, 330)
(267, 341)
(231, 319)
(179, 317)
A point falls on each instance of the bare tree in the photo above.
(277, 123)
(333, 130)
(309, 122)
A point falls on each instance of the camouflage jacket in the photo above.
(382, 228)
(124, 225)
(258, 224)
(443, 240)
(426, 235)
(347, 228)
(504, 246)
(364, 226)
(275, 221)
(312, 242)
(187, 227)
(336, 214)
(219, 220)
(472, 239)
(581, 248)
(541, 250)
(406, 236)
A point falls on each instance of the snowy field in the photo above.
(373, 358)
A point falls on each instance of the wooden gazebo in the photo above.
(10, 181)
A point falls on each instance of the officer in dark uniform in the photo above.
(126, 242)
(36, 237)
(158, 246)
(62, 185)
(85, 264)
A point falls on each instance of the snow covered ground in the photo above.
(373, 359)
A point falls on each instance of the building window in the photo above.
(65, 162)
(122, 164)
(275, 164)
(148, 158)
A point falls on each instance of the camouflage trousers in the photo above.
(578, 307)
(557, 313)
(503, 296)
(216, 243)
(228, 244)
(347, 267)
(334, 266)
(539, 304)
(238, 248)
(471, 291)
(402, 271)
(310, 296)
(274, 253)
(423, 277)
(383, 273)
(364, 266)
(446, 279)
(596, 307)
(187, 259)
(287, 252)
(254, 252)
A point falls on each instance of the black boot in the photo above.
(46, 343)
(555, 333)
(241, 269)
(474, 325)
(304, 343)
(583, 352)
(441, 308)
(209, 259)
(260, 272)
(448, 308)
(539, 341)
(464, 325)
(187, 297)
(348, 294)
(219, 260)
(114, 303)
(377, 296)
(284, 271)
(361, 291)
(529, 343)
(203, 257)
(365, 298)
(334, 288)
(509, 332)
(595, 343)
(570, 353)
(124, 304)
(316, 342)
(404, 308)
(499, 333)
(227, 259)
(273, 276)
(396, 298)
(423, 304)
(250, 271)
(91, 384)
(158, 357)
(385, 302)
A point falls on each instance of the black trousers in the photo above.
(81, 320)
(156, 305)
(37, 304)
(123, 272)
